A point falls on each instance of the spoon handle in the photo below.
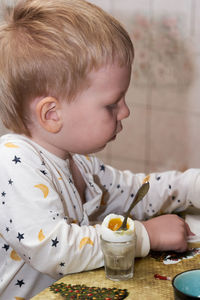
(138, 197)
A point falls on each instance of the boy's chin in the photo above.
(90, 151)
(98, 149)
(113, 138)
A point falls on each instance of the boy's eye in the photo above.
(112, 106)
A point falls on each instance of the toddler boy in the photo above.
(64, 71)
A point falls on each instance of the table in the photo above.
(142, 287)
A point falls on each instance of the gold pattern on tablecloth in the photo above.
(142, 287)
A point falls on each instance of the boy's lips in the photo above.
(117, 131)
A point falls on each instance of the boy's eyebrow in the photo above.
(120, 96)
(116, 97)
(122, 93)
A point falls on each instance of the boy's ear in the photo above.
(48, 114)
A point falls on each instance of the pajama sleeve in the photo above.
(170, 192)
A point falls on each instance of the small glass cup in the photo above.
(119, 258)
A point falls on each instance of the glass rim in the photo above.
(124, 242)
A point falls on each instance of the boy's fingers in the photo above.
(188, 231)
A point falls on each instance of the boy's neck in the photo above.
(52, 148)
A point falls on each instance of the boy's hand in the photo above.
(168, 232)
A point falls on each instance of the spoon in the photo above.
(139, 196)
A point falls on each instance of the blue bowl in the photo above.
(187, 285)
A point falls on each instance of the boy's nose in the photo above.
(124, 111)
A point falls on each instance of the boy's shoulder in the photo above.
(11, 140)
(15, 141)
(14, 146)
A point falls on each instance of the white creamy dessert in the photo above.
(109, 227)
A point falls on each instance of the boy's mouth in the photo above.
(117, 131)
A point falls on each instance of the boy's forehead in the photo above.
(110, 70)
(109, 76)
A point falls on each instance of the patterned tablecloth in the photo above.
(143, 286)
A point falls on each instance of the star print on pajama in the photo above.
(45, 229)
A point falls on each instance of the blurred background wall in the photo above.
(162, 131)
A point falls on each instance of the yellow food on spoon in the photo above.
(116, 223)
(110, 226)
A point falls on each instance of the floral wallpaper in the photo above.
(163, 56)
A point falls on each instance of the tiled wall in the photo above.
(162, 131)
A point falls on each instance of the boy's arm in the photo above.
(169, 192)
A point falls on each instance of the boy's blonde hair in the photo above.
(47, 48)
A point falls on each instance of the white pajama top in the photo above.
(45, 229)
